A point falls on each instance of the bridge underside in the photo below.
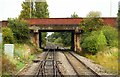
(74, 29)
(72, 40)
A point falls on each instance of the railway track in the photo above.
(48, 66)
(79, 67)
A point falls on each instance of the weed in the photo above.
(108, 59)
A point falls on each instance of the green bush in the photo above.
(58, 40)
(20, 30)
(111, 35)
(7, 35)
(96, 41)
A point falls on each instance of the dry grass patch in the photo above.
(108, 59)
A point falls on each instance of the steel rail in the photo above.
(85, 65)
(71, 65)
(40, 70)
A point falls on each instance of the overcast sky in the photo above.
(62, 8)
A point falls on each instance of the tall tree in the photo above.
(27, 10)
(118, 15)
(74, 15)
(93, 14)
(34, 10)
(41, 10)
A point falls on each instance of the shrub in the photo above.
(101, 41)
(111, 35)
(96, 41)
(7, 35)
(20, 30)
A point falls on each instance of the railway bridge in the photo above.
(56, 25)
(38, 25)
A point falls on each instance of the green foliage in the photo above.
(58, 40)
(74, 15)
(23, 54)
(96, 41)
(108, 58)
(25, 12)
(94, 14)
(66, 38)
(92, 22)
(20, 30)
(7, 35)
(101, 41)
(61, 37)
(20, 65)
(37, 10)
(111, 35)
(118, 17)
(43, 36)
(41, 10)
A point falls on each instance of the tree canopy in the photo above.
(93, 14)
(63, 38)
(74, 15)
(92, 22)
(36, 9)
(27, 10)
(20, 30)
(41, 10)
(118, 16)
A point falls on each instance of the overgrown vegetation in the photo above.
(7, 36)
(99, 42)
(43, 38)
(23, 54)
(111, 35)
(8, 64)
(17, 33)
(92, 22)
(94, 42)
(107, 58)
(61, 38)
(20, 30)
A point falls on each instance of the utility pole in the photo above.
(30, 8)
(110, 7)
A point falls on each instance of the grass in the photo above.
(107, 58)
(20, 65)
(23, 54)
